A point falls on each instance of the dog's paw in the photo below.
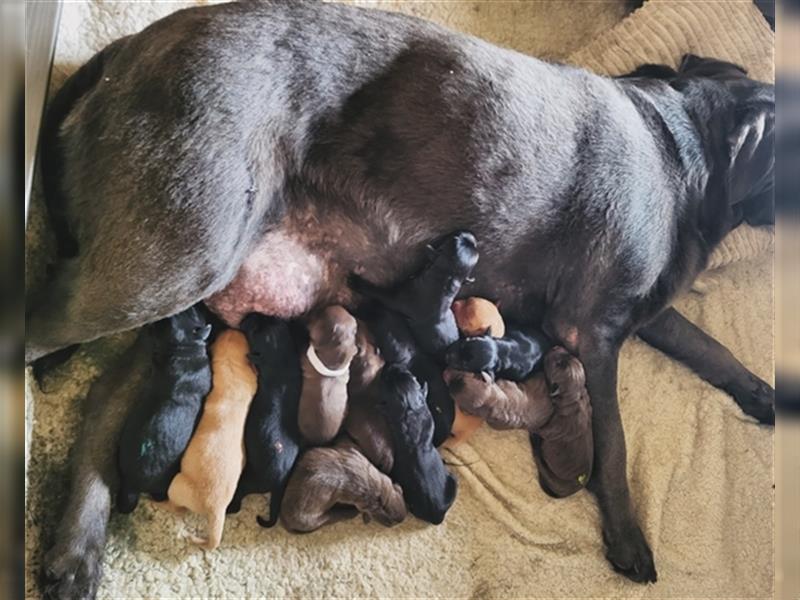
(630, 556)
(756, 398)
(72, 572)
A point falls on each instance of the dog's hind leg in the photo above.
(72, 567)
(682, 340)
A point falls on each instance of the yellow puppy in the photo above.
(474, 316)
(214, 459)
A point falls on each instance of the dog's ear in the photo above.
(651, 71)
(751, 161)
(424, 389)
(712, 68)
(202, 333)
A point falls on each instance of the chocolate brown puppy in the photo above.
(364, 422)
(328, 483)
(326, 371)
(553, 406)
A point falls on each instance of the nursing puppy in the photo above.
(474, 316)
(326, 371)
(214, 459)
(364, 422)
(429, 489)
(513, 356)
(553, 406)
(425, 299)
(160, 424)
(329, 483)
(271, 433)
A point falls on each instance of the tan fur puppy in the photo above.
(325, 478)
(364, 423)
(326, 371)
(214, 459)
(474, 316)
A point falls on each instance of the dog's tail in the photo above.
(50, 157)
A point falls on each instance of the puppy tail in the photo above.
(274, 510)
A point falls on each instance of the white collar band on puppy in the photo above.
(320, 367)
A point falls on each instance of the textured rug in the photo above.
(700, 472)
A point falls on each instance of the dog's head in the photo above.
(735, 116)
(475, 315)
(270, 340)
(473, 354)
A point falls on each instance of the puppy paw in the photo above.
(630, 556)
(72, 573)
(756, 398)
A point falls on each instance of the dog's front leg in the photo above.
(626, 547)
(72, 567)
(681, 339)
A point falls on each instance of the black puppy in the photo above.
(413, 323)
(428, 488)
(161, 422)
(425, 299)
(271, 433)
(513, 356)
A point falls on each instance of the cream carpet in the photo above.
(700, 472)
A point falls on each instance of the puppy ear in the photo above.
(699, 66)
(205, 332)
(424, 388)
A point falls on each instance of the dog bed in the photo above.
(700, 472)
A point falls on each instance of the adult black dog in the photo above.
(194, 155)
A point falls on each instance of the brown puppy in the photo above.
(364, 423)
(474, 316)
(553, 406)
(214, 459)
(326, 371)
(325, 478)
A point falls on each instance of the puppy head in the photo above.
(392, 509)
(476, 316)
(563, 371)
(187, 328)
(332, 332)
(231, 345)
(455, 254)
(269, 338)
(474, 354)
(368, 360)
(401, 393)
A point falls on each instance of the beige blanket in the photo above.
(700, 472)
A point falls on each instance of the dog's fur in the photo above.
(429, 489)
(600, 199)
(553, 406)
(323, 402)
(159, 427)
(214, 459)
(328, 483)
(474, 316)
(271, 434)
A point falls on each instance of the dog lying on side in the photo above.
(271, 433)
(160, 424)
(474, 316)
(326, 370)
(553, 406)
(364, 422)
(214, 459)
(429, 489)
(330, 484)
